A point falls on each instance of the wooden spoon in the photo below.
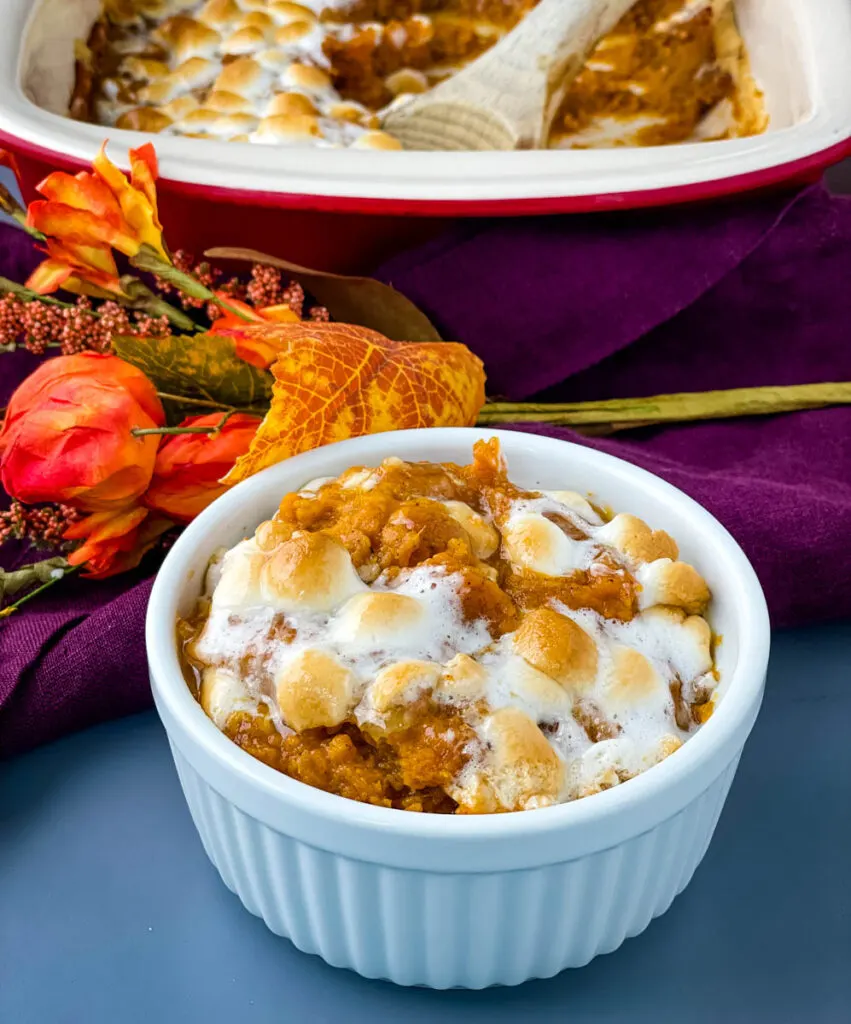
(507, 98)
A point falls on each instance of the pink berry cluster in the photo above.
(42, 525)
(38, 326)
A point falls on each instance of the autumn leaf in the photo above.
(350, 300)
(334, 381)
(200, 366)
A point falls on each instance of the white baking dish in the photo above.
(473, 900)
(800, 52)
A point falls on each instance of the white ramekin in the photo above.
(462, 901)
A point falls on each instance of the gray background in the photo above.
(110, 912)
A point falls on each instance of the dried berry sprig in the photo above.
(42, 526)
(37, 326)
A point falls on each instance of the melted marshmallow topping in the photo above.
(569, 702)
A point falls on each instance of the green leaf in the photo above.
(200, 366)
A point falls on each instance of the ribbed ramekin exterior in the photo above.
(449, 930)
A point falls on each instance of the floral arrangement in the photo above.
(163, 382)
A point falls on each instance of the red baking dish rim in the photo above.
(804, 168)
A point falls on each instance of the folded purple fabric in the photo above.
(745, 293)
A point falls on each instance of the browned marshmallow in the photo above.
(556, 646)
(314, 691)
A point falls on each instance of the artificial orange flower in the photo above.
(68, 434)
(81, 269)
(260, 352)
(189, 466)
(99, 210)
(114, 542)
(9, 160)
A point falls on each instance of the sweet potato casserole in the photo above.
(320, 72)
(432, 637)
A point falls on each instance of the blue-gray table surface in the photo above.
(110, 912)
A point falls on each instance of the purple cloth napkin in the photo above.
(746, 293)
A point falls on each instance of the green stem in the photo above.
(12, 208)
(140, 296)
(151, 262)
(51, 571)
(619, 413)
(204, 403)
(28, 295)
(146, 431)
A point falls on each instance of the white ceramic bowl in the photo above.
(461, 901)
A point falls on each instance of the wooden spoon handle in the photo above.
(529, 70)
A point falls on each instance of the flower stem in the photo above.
(12, 208)
(140, 296)
(28, 295)
(151, 262)
(145, 431)
(625, 413)
(204, 403)
(48, 573)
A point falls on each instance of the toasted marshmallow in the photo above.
(314, 691)
(382, 620)
(309, 572)
(535, 692)
(217, 125)
(462, 680)
(406, 81)
(558, 647)
(679, 584)
(289, 129)
(227, 103)
(359, 479)
(145, 69)
(353, 113)
(220, 14)
(186, 38)
(257, 19)
(289, 104)
(271, 534)
(222, 693)
(522, 769)
(533, 542)
(634, 538)
(244, 41)
(305, 78)
(669, 635)
(634, 683)
(144, 119)
(244, 76)
(295, 34)
(314, 485)
(484, 540)
(239, 580)
(669, 744)
(576, 503)
(181, 106)
(401, 683)
(602, 766)
(376, 140)
(283, 12)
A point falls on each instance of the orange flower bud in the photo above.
(259, 351)
(114, 542)
(67, 435)
(189, 466)
(100, 209)
(81, 269)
